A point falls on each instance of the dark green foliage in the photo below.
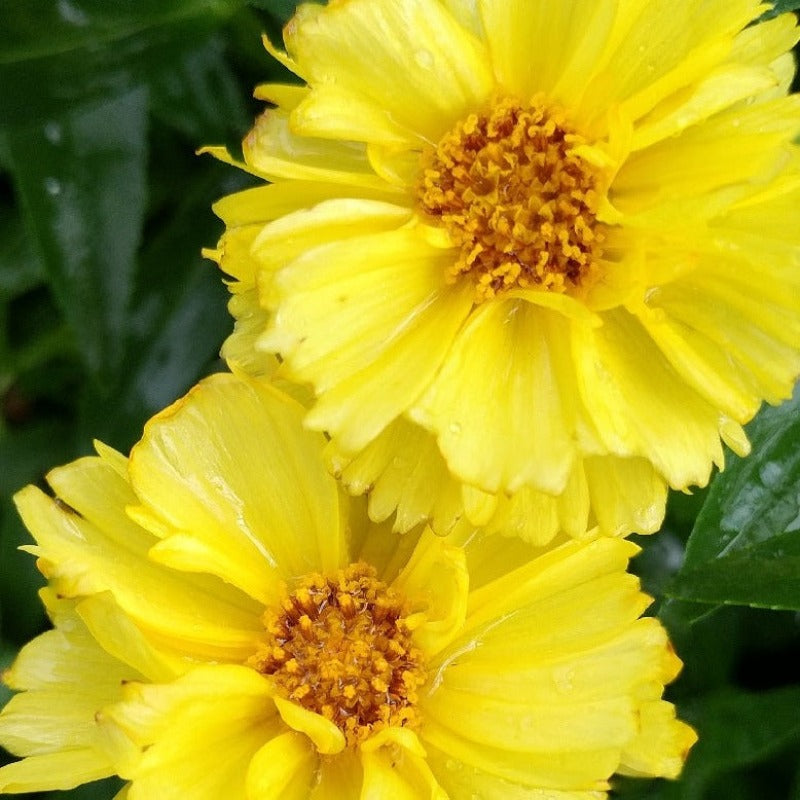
(108, 313)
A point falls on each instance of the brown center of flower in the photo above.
(516, 197)
(340, 647)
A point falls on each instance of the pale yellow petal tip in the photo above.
(734, 436)
(280, 55)
(662, 746)
(327, 738)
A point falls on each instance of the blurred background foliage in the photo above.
(108, 313)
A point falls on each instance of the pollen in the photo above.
(339, 646)
(517, 199)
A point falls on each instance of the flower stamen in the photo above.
(340, 647)
(516, 198)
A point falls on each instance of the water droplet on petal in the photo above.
(564, 679)
(455, 428)
(424, 58)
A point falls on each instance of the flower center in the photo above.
(340, 647)
(516, 198)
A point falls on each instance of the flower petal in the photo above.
(570, 37)
(65, 769)
(628, 495)
(254, 515)
(436, 578)
(496, 405)
(402, 470)
(214, 715)
(88, 545)
(660, 419)
(660, 46)
(357, 59)
(662, 744)
(394, 766)
(284, 767)
(273, 151)
(369, 339)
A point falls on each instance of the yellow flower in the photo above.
(232, 625)
(556, 238)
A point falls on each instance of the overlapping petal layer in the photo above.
(683, 123)
(539, 678)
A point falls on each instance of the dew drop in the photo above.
(455, 428)
(52, 132)
(52, 186)
(526, 723)
(424, 58)
(70, 13)
(771, 474)
(564, 678)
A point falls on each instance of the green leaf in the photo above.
(56, 53)
(745, 548)
(738, 729)
(200, 96)
(23, 615)
(766, 575)
(280, 9)
(82, 182)
(7, 655)
(781, 7)
(178, 316)
(20, 268)
(25, 455)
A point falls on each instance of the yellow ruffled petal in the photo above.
(464, 779)
(369, 352)
(369, 85)
(597, 566)
(570, 38)
(54, 771)
(662, 419)
(724, 87)
(327, 738)
(732, 147)
(436, 577)
(119, 637)
(657, 48)
(402, 470)
(273, 151)
(496, 405)
(282, 241)
(394, 766)
(65, 681)
(240, 349)
(627, 494)
(87, 545)
(742, 349)
(200, 470)
(546, 684)
(284, 767)
(338, 778)
(534, 772)
(662, 745)
(214, 715)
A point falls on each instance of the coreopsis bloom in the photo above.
(229, 624)
(556, 239)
